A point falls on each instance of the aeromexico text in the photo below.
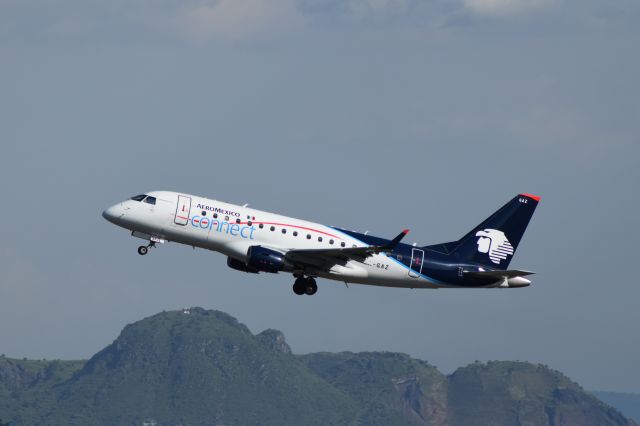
(218, 210)
(242, 230)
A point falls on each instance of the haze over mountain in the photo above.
(627, 403)
(202, 367)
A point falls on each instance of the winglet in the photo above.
(393, 243)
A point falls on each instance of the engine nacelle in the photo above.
(239, 265)
(267, 260)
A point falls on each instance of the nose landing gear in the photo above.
(142, 250)
(305, 286)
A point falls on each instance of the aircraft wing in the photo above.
(341, 255)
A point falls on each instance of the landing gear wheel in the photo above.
(299, 286)
(142, 250)
(310, 286)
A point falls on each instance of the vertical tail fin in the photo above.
(494, 241)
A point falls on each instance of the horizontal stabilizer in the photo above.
(497, 274)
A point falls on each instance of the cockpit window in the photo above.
(150, 200)
(138, 197)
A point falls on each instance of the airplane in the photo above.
(256, 241)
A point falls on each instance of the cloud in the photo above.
(366, 11)
(238, 19)
(377, 9)
(499, 8)
(78, 21)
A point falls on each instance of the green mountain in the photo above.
(388, 388)
(201, 367)
(521, 393)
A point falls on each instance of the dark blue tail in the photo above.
(494, 242)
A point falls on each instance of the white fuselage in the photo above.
(231, 229)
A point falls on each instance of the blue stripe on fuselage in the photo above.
(426, 277)
(402, 249)
(368, 240)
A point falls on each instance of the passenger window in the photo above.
(320, 239)
(215, 215)
(284, 231)
(295, 233)
(342, 244)
(238, 220)
(138, 197)
(204, 213)
(249, 223)
(150, 200)
(273, 228)
(261, 226)
(226, 218)
(308, 236)
(330, 241)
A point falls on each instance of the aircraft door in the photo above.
(182, 210)
(417, 257)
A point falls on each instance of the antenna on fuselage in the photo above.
(245, 205)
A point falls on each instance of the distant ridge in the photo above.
(203, 367)
(627, 403)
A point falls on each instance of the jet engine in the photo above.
(239, 265)
(263, 259)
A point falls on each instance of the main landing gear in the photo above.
(305, 286)
(142, 250)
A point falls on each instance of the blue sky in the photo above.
(373, 115)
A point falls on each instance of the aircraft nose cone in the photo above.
(112, 214)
